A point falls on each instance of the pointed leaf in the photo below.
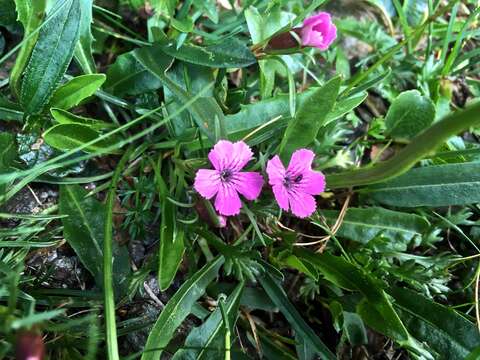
(278, 296)
(205, 341)
(178, 308)
(75, 90)
(441, 185)
(50, 57)
(311, 116)
(83, 229)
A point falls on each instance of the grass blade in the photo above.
(108, 291)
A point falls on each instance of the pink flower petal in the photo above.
(249, 184)
(317, 18)
(300, 162)
(281, 195)
(313, 183)
(241, 155)
(228, 155)
(207, 183)
(318, 31)
(306, 34)
(227, 201)
(220, 155)
(301, 204)
(275, 171)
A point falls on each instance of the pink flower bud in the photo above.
(318, 31)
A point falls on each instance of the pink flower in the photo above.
(318, 31)
(294, 187)
(226, 180)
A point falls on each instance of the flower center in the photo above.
(226, 175)
(288, 181)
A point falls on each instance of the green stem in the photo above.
(108, 292)
(226, 323)
(421, 146)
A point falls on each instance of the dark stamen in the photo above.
(288, 181)
(226, 175)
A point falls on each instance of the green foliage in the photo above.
(409, 114)
(75, 90)
(441, 185)
(84, 231)
(108, 112)
(309, 119)
(178, 308)
(43, 72)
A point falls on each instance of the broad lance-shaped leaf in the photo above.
(30, 14)
(65, 117)
(83, 229)
(205, 110)
(421, 146)
(363, 225)
(311, 116)
(409, 114)
(127, 76)
(376, 309)
(191, 78)
(446, 331)
(68, 136)
(178, 308)
(257, 114)
(172, 246)
(50, 57)
(75, 90)
(231, 53)
(280, 299)
(442, 185)
(83, 51)
(206, 341)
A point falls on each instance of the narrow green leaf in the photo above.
(279, 298)
(441, 185)
(309, 119)
(83, 51)
(178, 308)
(421, 146)
(204, 110)
(108, 288)
(231, 53)
(126, 76)
(83, 230)
(50, 57)
(409, 114)
(10, 111)
(71, 135)
(75, 90)
(171, 245)
(347, 276)
(354, 329)
(35, 319)
(30, 14)
(205, 341)
(65, 117)
(363, 225)
(446, 331)
(8, 153)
